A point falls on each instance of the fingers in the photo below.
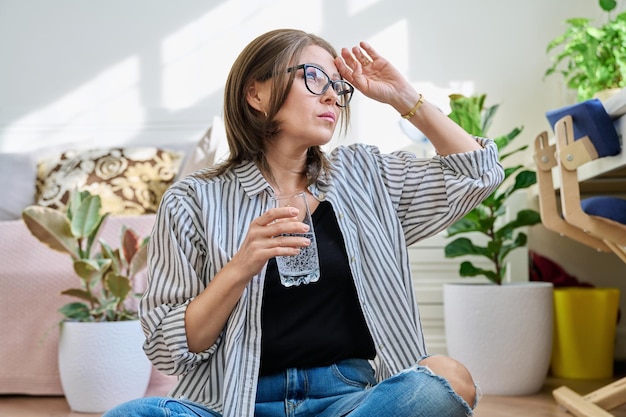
(285, 238)
(277, 232)
(355, 59)
(356, 62)
(361, 56)
(344, 70)
(369, 51)
(282, 228)
(349, 66)
(270, 216)
(290, 245)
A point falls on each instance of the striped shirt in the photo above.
(383, 203)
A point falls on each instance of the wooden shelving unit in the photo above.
(606, 175)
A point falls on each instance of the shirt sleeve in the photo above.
(432, 193)
(176, 265)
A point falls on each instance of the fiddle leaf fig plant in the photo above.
(471, 114)
(105, 277)
(591, 58)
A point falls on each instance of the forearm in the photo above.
(446, 136)
(208, 313)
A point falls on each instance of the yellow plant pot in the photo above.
(584, 332)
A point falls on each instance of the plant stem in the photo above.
(492, 236)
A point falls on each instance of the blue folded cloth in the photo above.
(590, 119)
(612, 208)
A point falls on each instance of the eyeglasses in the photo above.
(317, 82)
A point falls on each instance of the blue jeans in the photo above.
(347, 388)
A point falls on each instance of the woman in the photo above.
(351, 344)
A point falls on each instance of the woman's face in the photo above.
(307, 119)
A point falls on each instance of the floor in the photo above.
(539, 405)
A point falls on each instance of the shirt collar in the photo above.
(251, 179)
(253, 182)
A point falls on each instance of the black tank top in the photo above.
(316, 324)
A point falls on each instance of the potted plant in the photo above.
(470, 113)
(100, 331)
(502, 332)
(591, 58)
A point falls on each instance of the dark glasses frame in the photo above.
(341, 87)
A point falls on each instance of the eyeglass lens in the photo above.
(317, 81)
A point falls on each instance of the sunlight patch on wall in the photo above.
(307, 16)
(196, 59)
(382, 125)
(109, 101)
(355, 6)
(373, 122)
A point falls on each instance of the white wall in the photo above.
(152, 71)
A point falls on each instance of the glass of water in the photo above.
(304, 267)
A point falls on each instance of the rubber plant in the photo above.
(105, 276)
(591, 58)
(486, 219)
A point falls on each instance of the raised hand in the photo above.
(372, 74)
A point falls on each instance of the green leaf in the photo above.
(503, 141)
(524, 218)
(117, 285)
(87, 216)
(608, 5)
(76, 311)
(467, 269)
(106, 310)
(512, 170)
(87, 220)
(503, 156)
(478, 220)
(76, 197)
(91, 270)
(523, 180)
(469, 223)
(109, 253)
(487, 116)
(520, 240)
(86, 268)
(466, 112)
(52, 228)
(463, 247)
(81, 294)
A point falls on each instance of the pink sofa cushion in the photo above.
(31, 279)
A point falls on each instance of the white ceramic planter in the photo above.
(503, 334)
(102, 364)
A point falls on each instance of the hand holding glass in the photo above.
(302, 268)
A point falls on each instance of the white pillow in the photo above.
(210, 150)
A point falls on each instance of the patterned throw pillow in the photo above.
(129, 180)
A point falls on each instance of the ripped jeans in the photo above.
(347, 388)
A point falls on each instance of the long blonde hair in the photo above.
(247, 130)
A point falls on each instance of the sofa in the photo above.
(32, 275)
